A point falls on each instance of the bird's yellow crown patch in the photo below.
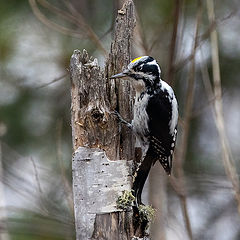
(134, 60)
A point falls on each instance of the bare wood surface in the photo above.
(93, 125)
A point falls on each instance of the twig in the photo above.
(206, 80)
(81, 21)
(203, 37)
(26, 190)
(50, 24)
(53, 81)
(228, 161)
(44, 209)
(36, 176)
(173, 45)
(80, 18)
(65, 15)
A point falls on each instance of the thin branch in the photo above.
(206, 79)
(81, 21)
(63, 14)
(50, 24)
(203, 37)
(216, 23)
(43, 207)
(36, 176)
(27, 190)
(173, 45)
(228, 161)
(110, 29)
(53, 81)
(70, 18)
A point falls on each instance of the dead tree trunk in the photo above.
(103, 152)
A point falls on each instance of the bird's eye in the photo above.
(139, 68)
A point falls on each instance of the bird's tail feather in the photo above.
(141, 176)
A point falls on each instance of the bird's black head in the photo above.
(144, 69)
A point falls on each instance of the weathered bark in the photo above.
(101, 146)
(121, 93)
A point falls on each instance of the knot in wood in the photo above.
(97, 115)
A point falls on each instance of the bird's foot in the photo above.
(138, 201)
(121, 120)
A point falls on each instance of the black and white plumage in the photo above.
(155, 118)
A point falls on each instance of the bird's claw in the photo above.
(120, 119)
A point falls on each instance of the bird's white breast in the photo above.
(140, 120)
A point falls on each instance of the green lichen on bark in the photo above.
(125, 201)
(146, 213)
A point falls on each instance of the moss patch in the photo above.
(146, 213)
(126, 200)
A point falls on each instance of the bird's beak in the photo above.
(120, 75)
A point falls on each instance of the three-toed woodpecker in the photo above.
(155, 118)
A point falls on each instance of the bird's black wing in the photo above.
(162, 142)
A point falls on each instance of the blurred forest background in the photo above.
(37, 39)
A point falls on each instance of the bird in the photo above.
(155, 117)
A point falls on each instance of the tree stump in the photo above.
(103, 149)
